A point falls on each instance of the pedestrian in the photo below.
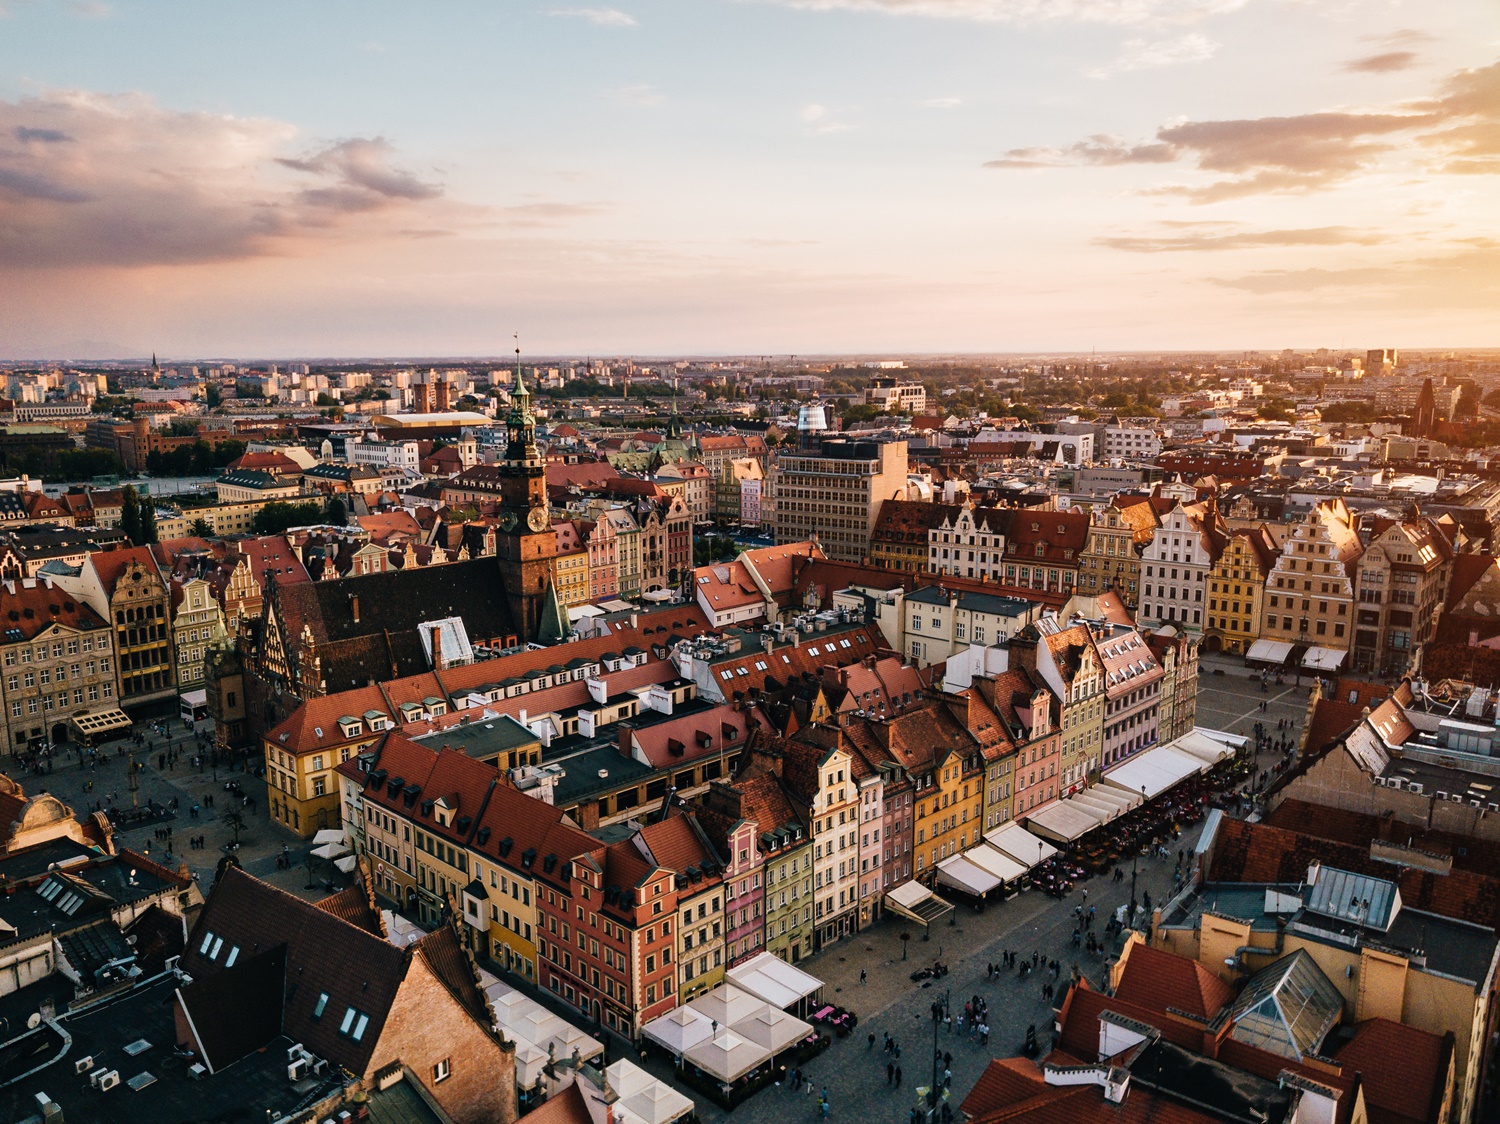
(890, 1073)
(898, 1077)
(862, 976)
(871, 1046)
(948, 1022)
(947, 1078)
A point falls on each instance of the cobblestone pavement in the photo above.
(260, 842)
(853, 1073)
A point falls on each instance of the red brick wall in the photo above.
(427, 1025)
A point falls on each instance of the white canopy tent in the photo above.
(1233, 741)
(1268, 651)
(1323, 659)
(771, 978)
(642, 1099)
(726, 1055)
(1203, 744)
(1103, 810)
(331, 850)
(772, 1029)
(727, 1005)
(1155, 771)
(992, 859)
(328, 835)
(524, 1019)
(961, 874)
(1026, 848)
(915, 901)
(1064, 821)
(679, 1030)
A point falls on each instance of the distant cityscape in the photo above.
(417, 738)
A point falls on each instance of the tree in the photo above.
(1468, 403)
(276, 517)
(1275, 409)
(213, 396)
(326, 399)
(130, 515)
(148, 522)
(202, 528)
(338, 515)
(1492, 399)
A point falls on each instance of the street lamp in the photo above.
(939, 1006)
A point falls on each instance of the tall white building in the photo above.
(1131, 441)
(1175, 566)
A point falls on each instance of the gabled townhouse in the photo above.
(1401, 587)
(1132, 693)
(1029, 712)
(127, 589)
(737, 839)
(758, 796)
(679, 845)
(817, 772)
(1310, 594)
(1176, 564)
(1067, 661)
(1236, 590)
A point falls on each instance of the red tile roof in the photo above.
(29, 607)
(676, 843)
(1404, 1070)
(1158, 979)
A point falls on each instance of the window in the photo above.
(320, 1005)
(354, 1024)
(442, 1071)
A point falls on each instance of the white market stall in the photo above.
(1323, 660)
(958, 872)
(1153, 772)
(992, 859)
(1064, 821)
(1211, 745)
(524, 1019)
(642, 1099)
(727, 1005)
(1272, 652)
(773, 1029)
(1027, 849)
(726, 1056)
(916, 902)
(679, 1030)
(771, 978)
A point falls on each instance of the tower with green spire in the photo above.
(525, 543)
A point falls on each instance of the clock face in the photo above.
(537, 519)
(508, 521)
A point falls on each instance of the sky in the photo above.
(354, 178)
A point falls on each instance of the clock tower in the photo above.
(525, 543)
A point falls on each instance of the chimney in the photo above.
(437, 648)
(354, 606)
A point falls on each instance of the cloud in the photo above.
(1457, 129)
(599, 17)
(356, 176)
(1034, 11)
(1383, 63)
(639, 94)
(817, 120)
(1100, 149)
(1139, 54)
(1467, 273)
(549, 213)
(1402, 37)
(117, 180)
(1215, 238)
(943, 103)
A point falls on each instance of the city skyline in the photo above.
(810, 177)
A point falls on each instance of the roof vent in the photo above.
(528, 857)
(505, 845)
(482, 836)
